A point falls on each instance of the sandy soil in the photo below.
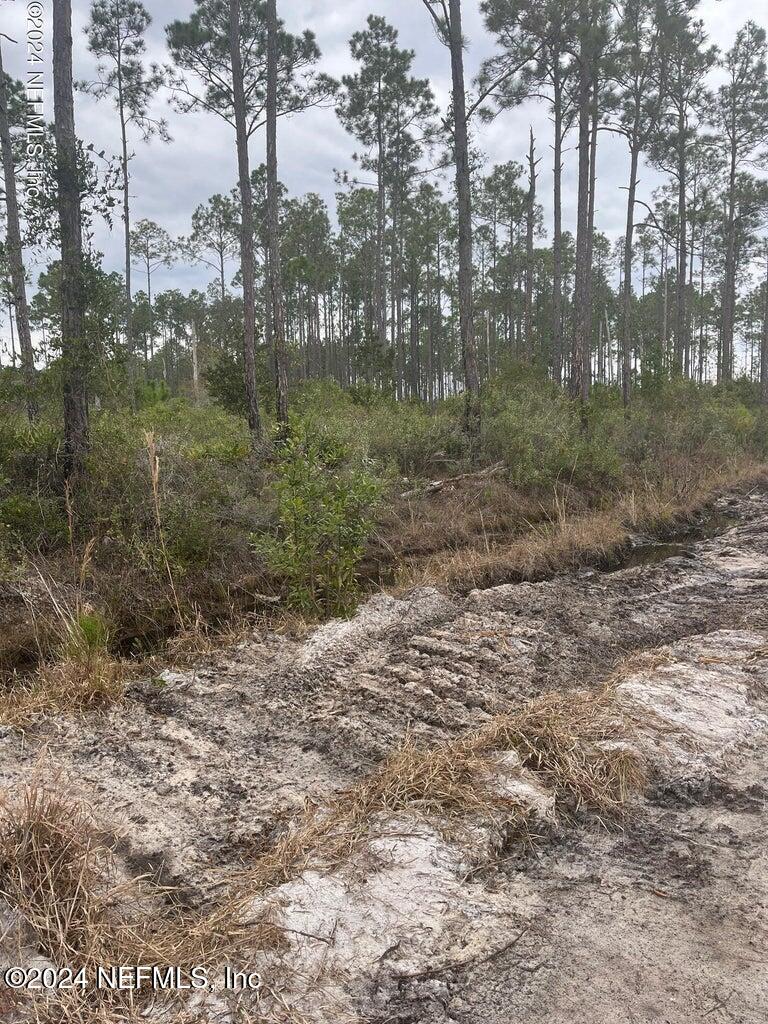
(663, 921)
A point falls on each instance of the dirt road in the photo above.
(663, 921)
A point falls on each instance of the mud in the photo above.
(661, 921)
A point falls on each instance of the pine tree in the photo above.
(688, 61)
(535, 40)
(75, 359)
(9, 92)
(638, 73)
(213, 240)
(739, 115)
(220, 66)
(590, 42)
(151, 245)
(446, 15)
(389, 111)
(273, 221)
(116, 36)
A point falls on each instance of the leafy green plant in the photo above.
(323, 519)
(32, 521)
(87, 635)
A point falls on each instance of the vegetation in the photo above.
(175, 525)
(59, 871)
(424, 386)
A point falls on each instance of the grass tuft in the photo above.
(565, 539)
(59, 872)
(71, 686)
(572, 740)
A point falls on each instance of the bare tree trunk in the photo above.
(764, 342)
(587, 371)
(529, 226)
(626, 298)
(557, 238)
(379, 296)
(729, 282)
(464, 202)
(273, 222)
(579, 383)
(246, 226)
(73, 344)
(195, 364)
(682, 253)
(126, 241)
(15, 254)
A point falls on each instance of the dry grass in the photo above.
(78, 674)
(541, 551)
(572, 740)
(58, 870)
(565, 538)
(444, 781)
(70, 686)
(58, 873)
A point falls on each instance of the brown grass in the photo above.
(58, 870)
(70, 686)
(569, 739)
(444, 781)
(574, 740)
(565, 539)
(58, 867)
(77, 673)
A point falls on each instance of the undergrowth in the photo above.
(184, 530)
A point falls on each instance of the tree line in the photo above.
(439, 269)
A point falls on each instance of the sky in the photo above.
(170, 180)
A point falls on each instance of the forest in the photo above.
(383, 511)
(284, 435)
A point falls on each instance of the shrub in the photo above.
(32, 521)
(86, 635)
(538, 434)
(323, 520)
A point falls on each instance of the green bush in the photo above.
(323, 519)
(539, 436)
(32, 521)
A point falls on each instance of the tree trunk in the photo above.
(73, 344)
(729, 282)
(15, 254)
(127, 242)
(464, 204)
(529, 225)
(626, 298)
(246, 226)
(151, 317)
(594, 117)
(195, 364)
(557, 237)
(379, 298)
(764, 342)
(579, 383)
(682, 252)
(273, 222)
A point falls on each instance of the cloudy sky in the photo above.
(170, 180)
